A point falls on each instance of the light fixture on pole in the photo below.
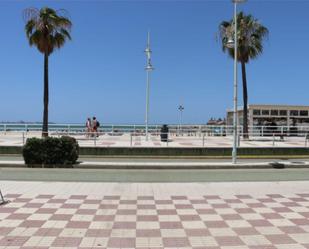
(230, 44)
(180, 108)
(148, 69)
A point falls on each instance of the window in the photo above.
(274, 112)
(265, 112)
(283, 112)
(256, 112)
(293, 113)
(303, 113)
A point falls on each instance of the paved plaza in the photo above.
(155, 215)
(126, 140)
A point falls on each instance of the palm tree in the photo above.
(46, 29)
(250, 36)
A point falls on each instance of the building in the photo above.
(279, 115)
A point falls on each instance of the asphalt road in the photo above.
(110, 175)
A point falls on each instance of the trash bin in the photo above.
(164, 133)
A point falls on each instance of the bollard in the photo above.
(203, 140)
(130, 139)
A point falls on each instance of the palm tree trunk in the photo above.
(45, 112)
(245, 100)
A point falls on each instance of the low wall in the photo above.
(174, 152)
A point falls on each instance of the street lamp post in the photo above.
(180, 108)
(148, 69)
(230, 44)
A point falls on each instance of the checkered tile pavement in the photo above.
(205, 222)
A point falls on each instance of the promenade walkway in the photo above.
(126, 140)
(54, 215)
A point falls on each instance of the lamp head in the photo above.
(230, 43)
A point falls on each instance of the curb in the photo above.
(171, 165)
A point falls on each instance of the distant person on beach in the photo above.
(88, 127)
(95, 126)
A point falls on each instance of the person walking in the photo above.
(95, 126)
(88, 127)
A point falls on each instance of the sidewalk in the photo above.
(145, 163)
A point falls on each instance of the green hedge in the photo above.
(51, 151)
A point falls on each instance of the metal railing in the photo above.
(189, 130)
(175, 139)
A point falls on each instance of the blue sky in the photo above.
(101, 71)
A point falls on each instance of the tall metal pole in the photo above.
(148, 69)
(234, 152)
(180, 108)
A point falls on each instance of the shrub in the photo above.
(51, 151)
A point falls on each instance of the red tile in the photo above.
(167, 212)
(202, 201)
(275, 196)
(108, 206)
(126, 212)
(12, 195)
(189, 217)
(231, 217)
(179, 197)
(129, 202)
(183, 206)
(163, 202)
(56, 201)
(146, 197)
(170, 225)
(32, 223)
(121, 243)
(78, 224)
(78, 197)
(124, 225)
(33, 205)
(245, 231)
(44, 197)
(111, 197)
(220, 205)
(14, 241)
(70, 206)
(147, 218)
(244, 210)
(232, 201)
(7, 209)
(65, 217)
(270, 216)
(206, 211)
(282, 210)
(260, 223)
(229, 241)
(277, 239)
(290, 204)
(6, 230)
(292, 229)
(256, 205)
(18, 216)
(103, 217)
(215, 224)
(22, 200)
(300, 222)
(176, 242)
(146, 206)
(66, 242)
(212, 197)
